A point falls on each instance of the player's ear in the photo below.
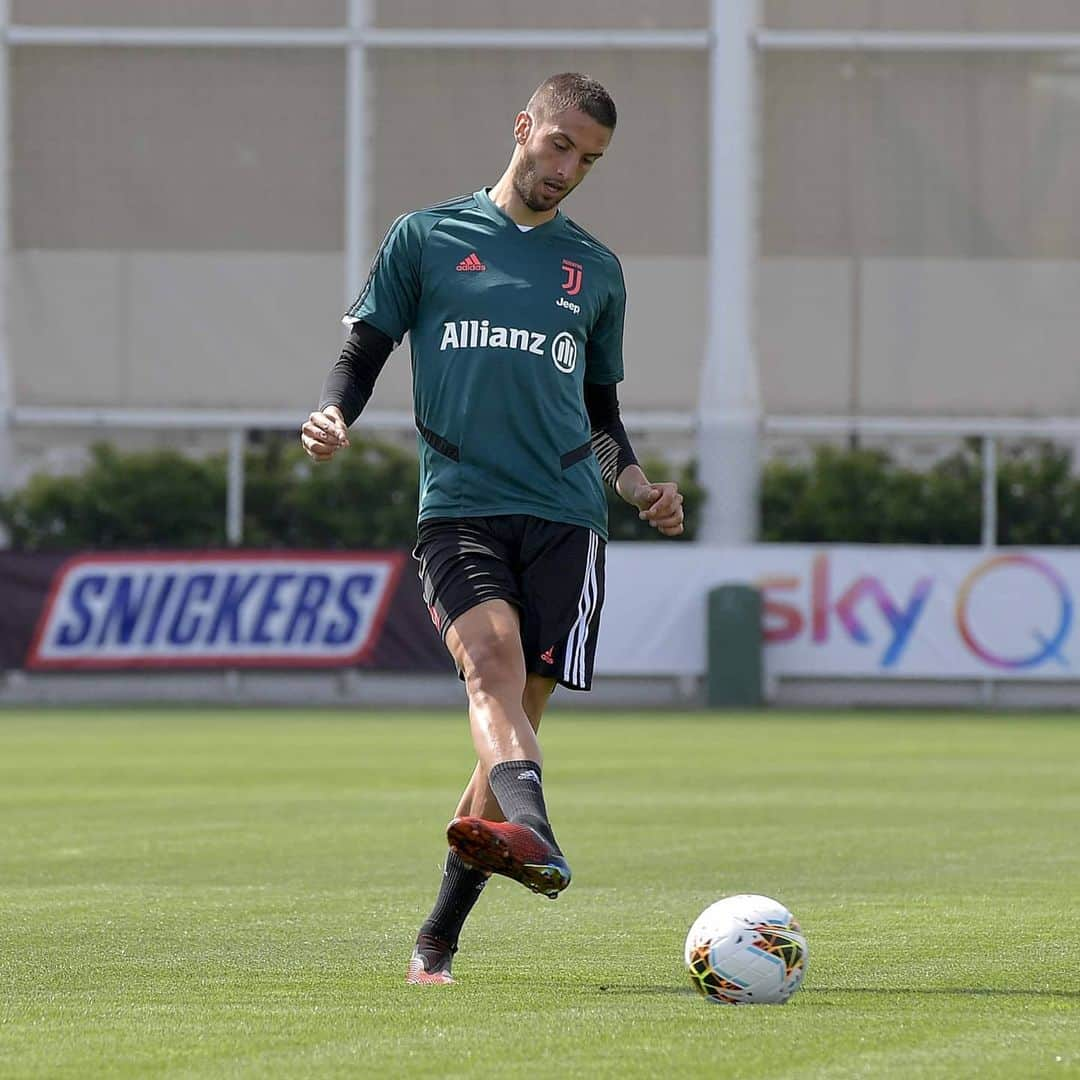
(523, 126)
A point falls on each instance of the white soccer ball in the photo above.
(746, 950)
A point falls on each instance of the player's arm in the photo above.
(378, 320)
(658, 504)
(346, 391)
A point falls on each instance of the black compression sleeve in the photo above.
(350, 381)
(610, 442)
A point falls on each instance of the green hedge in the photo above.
(863, 496)
(121, 500)
(365, 498)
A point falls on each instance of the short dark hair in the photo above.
(570, 90)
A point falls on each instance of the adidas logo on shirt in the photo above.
(471, 262)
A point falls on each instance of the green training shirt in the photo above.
(505, 327)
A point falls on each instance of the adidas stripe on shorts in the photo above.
(553, 573)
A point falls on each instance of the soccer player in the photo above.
(515, 319)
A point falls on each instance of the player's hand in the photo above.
(661, 506)
(324, 434)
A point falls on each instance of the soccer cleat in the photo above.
(516, 851)
(430, 962)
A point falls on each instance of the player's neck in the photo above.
(504, 195)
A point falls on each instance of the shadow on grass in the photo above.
(902, 991)
(943, 991)
(645, 991)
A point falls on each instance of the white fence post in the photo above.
(989, 530)
(7, 380)
(989, 491)
(357, 143)
(729, 402)
(234, 495)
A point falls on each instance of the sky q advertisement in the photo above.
(855, 611)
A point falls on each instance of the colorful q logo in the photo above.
(1047, 646)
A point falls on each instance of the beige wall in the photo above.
(174, 329)
(565, 14)
(992, 15)
(921, 156)
(215, 330)
(165, 149)
(971, 337)
(180, 12)
(647, 196)
(179, 213)
(670, 14)
(804, 335)
(1023, 15)
(958, 337)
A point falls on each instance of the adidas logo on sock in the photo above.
(471, 262)
(529, 774)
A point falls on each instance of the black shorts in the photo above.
(551, 572)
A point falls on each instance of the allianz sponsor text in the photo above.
(479, 334)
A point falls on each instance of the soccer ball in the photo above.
(746, 950)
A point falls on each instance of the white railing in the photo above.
(342, 37)
(359, 35)
(898, 41)
(989, 430)
(237, 424)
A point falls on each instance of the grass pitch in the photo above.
(235, 894)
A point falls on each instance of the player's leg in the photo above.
(478, 800)
(464, 564)
(486, 645)
(538, 690)
(469, 571)
(561, 592)
(461, 885)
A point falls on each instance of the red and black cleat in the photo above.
(515, 851)
(430, 962)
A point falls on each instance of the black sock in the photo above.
(460, 889)
(517, 786)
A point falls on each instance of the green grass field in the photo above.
(235, 893)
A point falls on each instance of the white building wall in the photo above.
(178, 214)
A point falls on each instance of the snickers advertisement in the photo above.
(214, 609)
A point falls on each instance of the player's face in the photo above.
(555, 155)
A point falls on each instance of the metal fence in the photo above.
(989, 431)
(729, 399)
